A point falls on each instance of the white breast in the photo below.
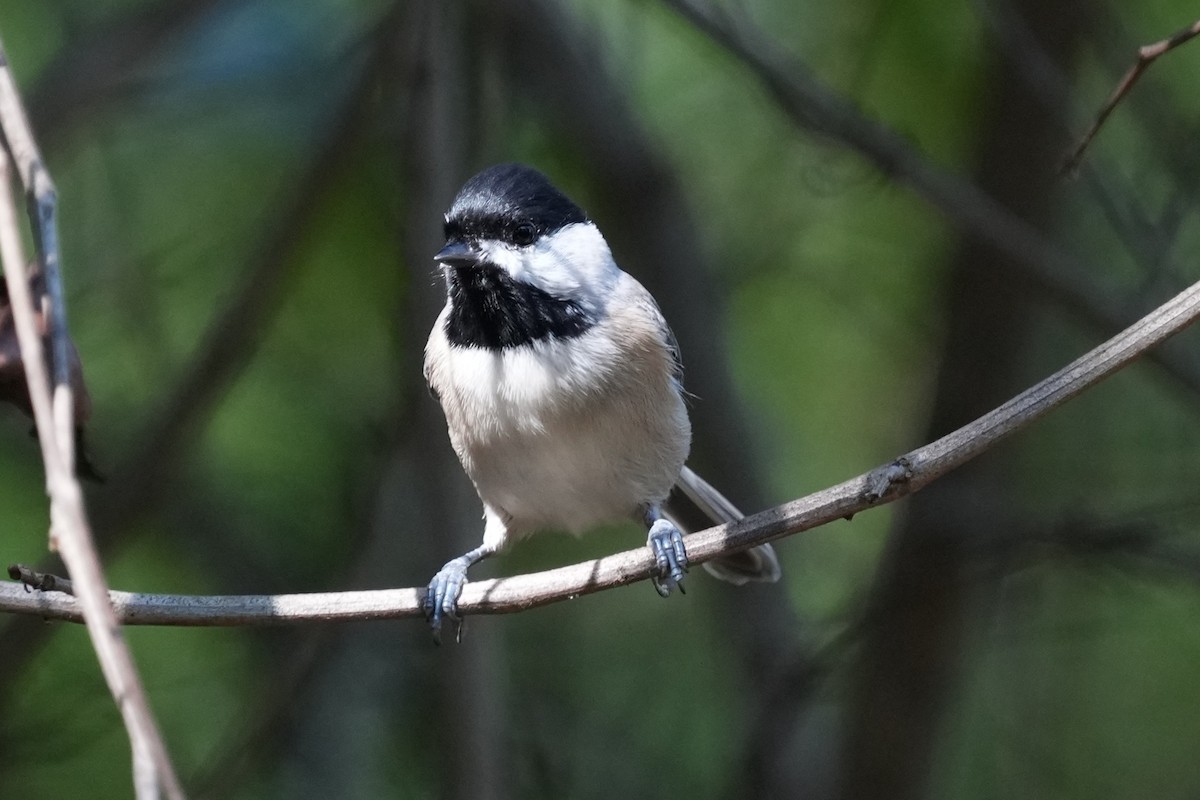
(566, 433)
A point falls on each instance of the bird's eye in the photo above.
(524, 234)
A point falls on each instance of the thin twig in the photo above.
(813, 106)
(907, 474)
(69, 527)
(1146, 56)
(42, 581)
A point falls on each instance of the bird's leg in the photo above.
(441, 598)
(666, 542)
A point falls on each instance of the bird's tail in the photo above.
(694, 505)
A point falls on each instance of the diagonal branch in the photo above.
(902, 477)
(41, 198)
(69, 527)
(53, 414)
(229, 343)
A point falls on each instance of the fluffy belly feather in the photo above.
(577, 473)
(541, 461)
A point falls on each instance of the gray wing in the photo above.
(695, 502)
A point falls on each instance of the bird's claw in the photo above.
(666, 541)
(441, 598)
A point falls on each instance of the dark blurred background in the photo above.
(251, 194)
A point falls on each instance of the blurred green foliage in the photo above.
(177, 164)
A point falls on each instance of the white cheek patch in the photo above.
(503, 256)
(573, 263)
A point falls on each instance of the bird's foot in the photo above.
(441, 598)
(669, 555)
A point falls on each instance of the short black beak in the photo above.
(457, 253)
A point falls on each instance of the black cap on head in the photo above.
(509, 202)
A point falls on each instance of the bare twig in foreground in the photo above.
(905, 475)
(42, 203)
(1146, 56)
(69, 528)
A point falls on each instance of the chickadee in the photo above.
(560, 382)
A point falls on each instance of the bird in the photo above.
(561, 384)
